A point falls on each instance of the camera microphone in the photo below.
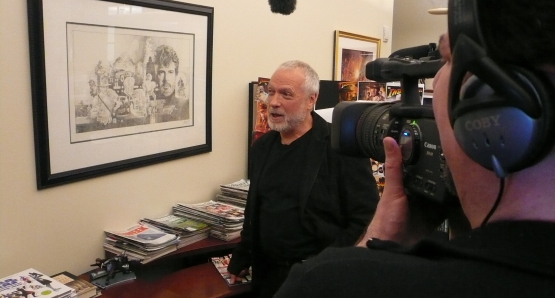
(413, 52)
(411, 63)
(284, 7)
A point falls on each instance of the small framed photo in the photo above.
(352, 53)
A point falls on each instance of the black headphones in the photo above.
(503, 115)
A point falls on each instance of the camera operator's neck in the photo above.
(477, 189)
(530, 193)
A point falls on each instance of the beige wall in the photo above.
(61, 228)
(414, 26)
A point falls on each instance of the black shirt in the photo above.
(282, 234)
(502, 259)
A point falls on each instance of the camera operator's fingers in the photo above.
(444, 47)
(390, 222)
(393, 169)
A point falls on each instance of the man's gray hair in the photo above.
(312, 81)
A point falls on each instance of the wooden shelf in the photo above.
(203, 246)
(173, 275)
(194, 282)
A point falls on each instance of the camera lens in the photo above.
(372, 127)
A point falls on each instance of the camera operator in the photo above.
(509, 251)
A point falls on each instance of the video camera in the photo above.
(358, 128)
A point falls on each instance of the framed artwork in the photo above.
(258, 124)
(258, 119)
(118, 84)
(352, 53)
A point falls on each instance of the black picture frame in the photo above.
(78, 133)
(252, 113)
(252, 118)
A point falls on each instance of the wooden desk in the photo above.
(166, 278)
(194, 282)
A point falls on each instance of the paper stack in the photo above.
(225, 220)
(234, 193)
(142, 242)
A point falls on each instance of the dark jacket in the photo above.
(337, 201)
(502, 259)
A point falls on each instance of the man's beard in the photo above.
(290, 121)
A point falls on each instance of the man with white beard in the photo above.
(303, 196)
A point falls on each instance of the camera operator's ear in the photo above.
(503, 116)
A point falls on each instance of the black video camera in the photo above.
(358, 128)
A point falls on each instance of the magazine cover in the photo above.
(177, 223)
(34, 283)
(144, 235)
(241, 186)
(393, 91)
(371, 91)
(347, 91)
(221, 265)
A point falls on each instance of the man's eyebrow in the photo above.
(286, 89)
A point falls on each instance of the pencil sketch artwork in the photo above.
(353, 64)
(126, 81)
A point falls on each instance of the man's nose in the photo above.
(273, 100)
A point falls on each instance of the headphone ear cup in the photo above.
(499, 136)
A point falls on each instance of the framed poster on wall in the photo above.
(118, 84)
(351, 54)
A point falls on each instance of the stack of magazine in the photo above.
(33, 283)
(225, 220)
(188, 230)
(141, 242)
(234, 193)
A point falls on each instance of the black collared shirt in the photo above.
(282, 234)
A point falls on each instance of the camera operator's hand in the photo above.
(391, 217)
(397, 218)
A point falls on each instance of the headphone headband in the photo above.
(463, 19)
